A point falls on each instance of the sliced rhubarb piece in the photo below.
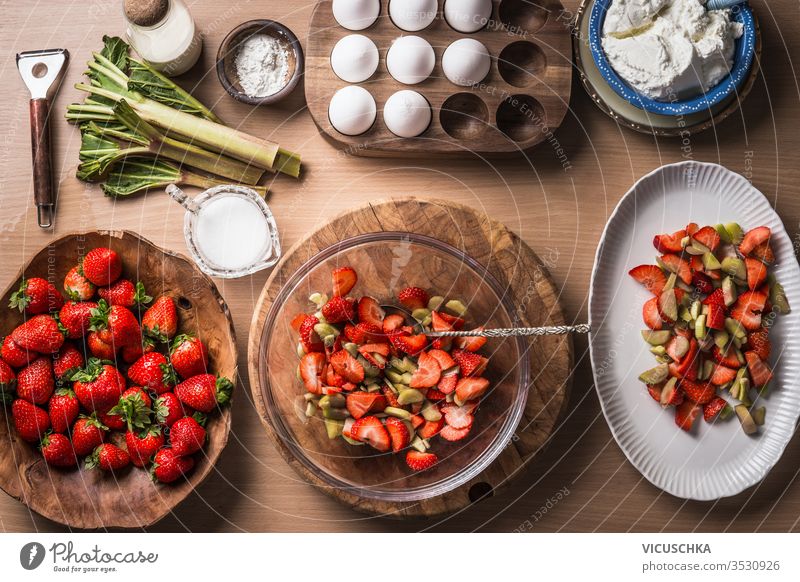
(668, 305)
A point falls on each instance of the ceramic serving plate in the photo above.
(711, 461)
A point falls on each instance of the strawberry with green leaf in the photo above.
(160, 321)
(77, 287)
(125, 293)
(189, 356)
(36, 296)
(154, 372)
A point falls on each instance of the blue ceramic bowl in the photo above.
(744, 52)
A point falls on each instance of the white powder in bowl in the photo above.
(262, 65)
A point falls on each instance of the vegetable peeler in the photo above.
(42, 72)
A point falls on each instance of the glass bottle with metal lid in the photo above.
(163, 33)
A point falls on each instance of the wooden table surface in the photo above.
(582, 482)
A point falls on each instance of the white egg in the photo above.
(412, 15)
(410, 59)
(356, 14)
(407, 113)
(352, 110)
(354, 58)
(467, 15)
(466, 62)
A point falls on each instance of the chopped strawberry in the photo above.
(679, 266)
(727, 358)
(363, 332)
(343, 279)
(310, 368)
(362, 403)
(759, 371)
(308, 337)
(459, 416)
(669, 243)
(650, 314)
(758, 342)
(471, 388)
(435, 395)
(692, 228)
(418, 461)
(369, 351)
(428, 372)
(686, 414)
(347, 366)
(448, 384)
(417, 421)
(722, 375)
(754, 238)
(708, 236)
(393, 322)
(756, 272)
(413, 298)
(764, 253)
(398, 433)
(332, 378)
(391, 397)
(471, 364)
(697, 392)
(470, 343)
(696, 262)
(677, 348)
(702, 282)
(430, 428)
(338, 310)
(687, 367)
(671, 395)
(748, 308)
(297, 321)
(655, 392)
(651, 276)
(716, 317)
(449, 433)
(713, 408)
(717, 297)
(444, 359)
(456, 323)
(370, 430)
(439, 323)
(410, 344)
(370, 311)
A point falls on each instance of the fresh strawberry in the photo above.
(161, 320)
(471, 388)
(87, 434)
(116, 324)
(679, 266)
(754, 238)
(311, 366)
(459, 416)
(363, 332)
(204, 392)
(113, 421)
(167, 409)
(722, 375)
(651, 276)
(347, 366)
(372, 351)
(455, 323)
(57, 451)
(123, 292)
(143, 445)
(134, 408)
(713, 408)
(413, 298)
(398, 434)
(63, 409)
(36, 296)
(671, 395)
(187, 436)
(98, 348)
(405, 342)
(30, 421)
(108, 457)
(759, 371)
(428, 372)
(449, 433)
(391, 397)
(392, 323)
(343, 279)
(651, 315)
(77, 287)
(655, 391)
(35, 382)
(430, 428)
(370, 311)
(39, 334)
(716, 317)
(99, 386)
(101, 266)
(447, 384)
(435, 395)
(756, 273)
(471, 364)
(687, 367)
(697, 392)
(76, 318)
(338, 310)
(15, 356)
(8, 379)
(708, 237)
(669, 243)
(445, 360)
(362, 403)
(308, 337)
(132, 353)
(727, 358)
(68, 360)
(686, 414)
(418, 461)
(370, 430)
(758, 342)
(747, 309)
(716, 297)
(189, 356)
(470, 343)
(764, 253)
(692, 228)
(169, 467)
(154, 372)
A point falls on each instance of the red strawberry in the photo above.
(448, 384)
(132, 353)
(410, 344)
(117, 325)
(655, 392)
(369, 351)
(169, 467)
(459, 416)
(362, 403)
(470, 343)
(699, 393)
(747, 309)
(77, 287)
(63, 409)
(101, 266)
(669, 243)
(435, 395)
(108, 457)
(686, 414)
(651, 276)
(702, 282)
(142, 446)
(671, 395)
(338, 310)
(308, 337)
(30, 421)
(756, 273)
(392, 323)
(687, 367)
(76, 318)
(420, 461)
(370, 430)
(154, 372)
(99, 386)
(57, 451)
(727, 358)
(716, 297)
(187, 436)
(471, 388)
(758, 342)
(722, 375)
(168, 409)
(398, 434)
(444, 359)
(759, 371)
(134, 408)
(112, 421)
(98, 348)
(87, 434)
(15, 356)
(343, 280)
(716, 317)
(428, 372)
(35, 383)
(39, 334)
(763, 253)
(36, 296)
(430, 428)
(677, 265)
(68, 360)
(391, 397)
(125, 293)
(204, 392)
(651, 315)
(708, 236)
(413, 298)
(8, 380)
(311, 366)
(713, 408)
(161, 320)
(449, 433)
(347, 367)
(692, 228)
(370, 311)
(471, 364)
(189, 356)
(754, 238)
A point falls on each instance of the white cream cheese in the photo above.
(669, 49)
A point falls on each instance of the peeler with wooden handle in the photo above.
(42, 72)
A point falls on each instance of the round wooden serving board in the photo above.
(514, 265)
(95, 499)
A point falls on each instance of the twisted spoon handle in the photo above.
(515, 331)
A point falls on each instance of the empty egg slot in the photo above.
(464, 116)
(521, 117)
(522, 17)
(521, 63)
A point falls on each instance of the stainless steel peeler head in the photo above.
(42, 70)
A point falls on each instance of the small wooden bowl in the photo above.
(226, 60)
(94, 499)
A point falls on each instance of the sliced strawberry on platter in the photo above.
(418, 461)
(754, 238)
(370, 311)
(398, 434)
(717, 297)
(712, 409)
(651, 276)
(311, 366)
(686, 414)
(748, 308)
(428, 372)
(435, 395)
(347, 366)
(654, 390)
(430, 428)
(708, 237)
(650, 314)
(701, 281)
(687, 366)
(449, 433)
(669, 243)
(413, 298)
(698, 392)
(727, 358)
(671, 395)
(756, 273)
(763, 253)
(370, 430)
(722, 375)
(759, 371)
(758, 342)
(679, 266)
(677, 348)
(445, 361)
(360, 404)
(447, 384)
(417, 421)
(471, 388)
(471, 364)
(343, 279)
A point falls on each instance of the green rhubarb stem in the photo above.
(205, 182)
(122, 81)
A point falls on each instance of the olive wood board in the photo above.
(522, 100)
(129, 499)
(515, 266)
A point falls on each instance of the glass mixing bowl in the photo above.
(386, 262)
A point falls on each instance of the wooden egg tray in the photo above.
(519, 104)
